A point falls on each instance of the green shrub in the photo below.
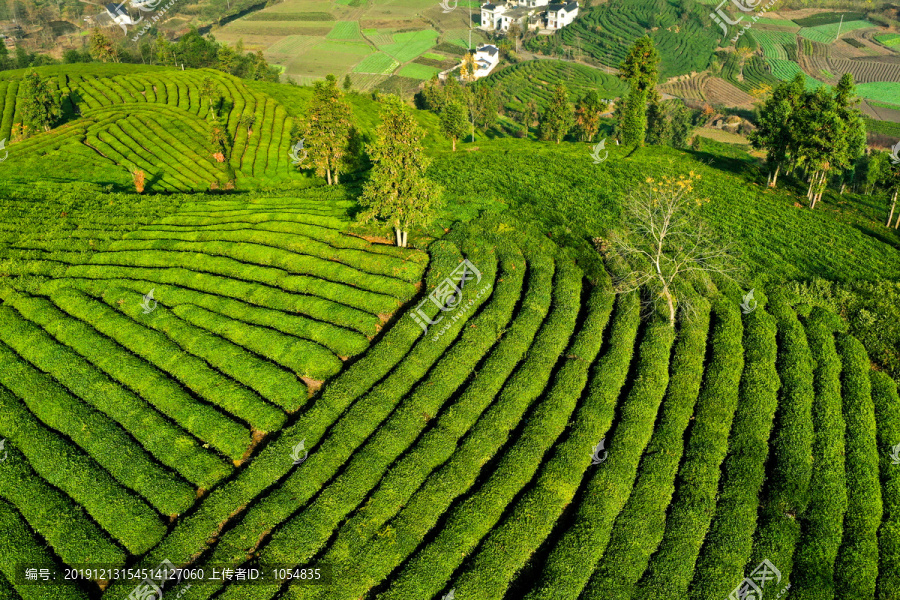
(694, 501)
(19, 545)
(887, 411)
(729, 542)
(639, 528)
(101, 436)
(63, 464)
(856, 569)
(823, 520)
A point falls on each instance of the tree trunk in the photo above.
(893, 205)
(454, 143)
(671, 303)
(328, 172)
(399, 235)
(775, 177)
(404, 236)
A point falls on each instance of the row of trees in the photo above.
(192, 50)
(397, 190)
(821, 132)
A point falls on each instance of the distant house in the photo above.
(119, 15)
(486, 58)
(528, 14)
(560, 15)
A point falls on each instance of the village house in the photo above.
(529, 14)
(486, 58)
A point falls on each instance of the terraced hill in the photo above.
(241, 380)
(152, 119)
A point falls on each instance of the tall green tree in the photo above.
(40, 106)
(398, 190)
(587, 115)
(559, 117)
(682, 119)
(775, 120)
(485, 106)
(454, 121)
(326, 130)
(659, 128)
(640, 70)
(830, 134)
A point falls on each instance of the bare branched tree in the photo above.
(665, 247)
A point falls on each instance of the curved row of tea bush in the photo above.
(823, 522)
(566, 572)
(120, 512)
(119, 449)
(528, 523)
(65, 525)
(639, 527)
(729, 541)
(301, 536)
(786, 493)
(856, 569)
(255, 293)
(19, 545)
(274, 461)
(694, 502)
(439, 443)
(152, 385)
(887, 412)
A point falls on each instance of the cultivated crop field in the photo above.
(536, 80)
(146, 121)
(235, 380)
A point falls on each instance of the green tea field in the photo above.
(665, 367)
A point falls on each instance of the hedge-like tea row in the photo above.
(639, 527)
(423, 503)
(267, 379)
(438, 444)
(19, 545)
(823, 521)
(526, 525)
(157, 349)
(729, 542)
(300, 356)
(341, 342)
(65, 525)
(669, 571)
(887, 412)
(205, 422)
(254, 293)
(856, 569)
(274, 460)
(426, 572)
(300, 537)
(100, 436)
(361, 421)
(125, 516)
(330, 272)
(332, 246)
(786, 492)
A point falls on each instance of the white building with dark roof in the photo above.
(560, 15)
(486, 58)
(528, 14)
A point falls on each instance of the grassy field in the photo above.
(274, 402)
